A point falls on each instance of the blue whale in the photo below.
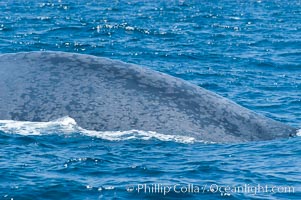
(108, 95)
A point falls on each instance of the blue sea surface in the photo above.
(247, 51)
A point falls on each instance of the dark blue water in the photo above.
(247, 51)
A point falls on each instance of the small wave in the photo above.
(68, 125)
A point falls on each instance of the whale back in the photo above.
(108, 95)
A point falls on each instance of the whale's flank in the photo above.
(106, 95)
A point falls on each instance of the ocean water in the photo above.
(247, 51)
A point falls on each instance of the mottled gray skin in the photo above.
(107, 95)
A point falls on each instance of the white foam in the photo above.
(67, 125)
(137, 134)
(64, 124)
(299, 132)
